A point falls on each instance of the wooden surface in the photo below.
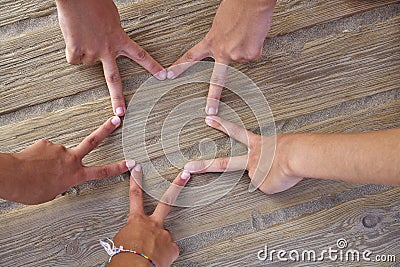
(327, 66)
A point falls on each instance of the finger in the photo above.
(105, 171)
(169, 197)
(96, 137)
(233, 130)
(88, 60)
(113, 80)
(135, 192)
(140, 56)
(217, 82)
(196, 53)
(218, 165)
(73, 55)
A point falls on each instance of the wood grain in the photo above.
(348, 220)
(35, 61)
(70, 226)
(328, 66)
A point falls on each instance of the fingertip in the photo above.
(130, 164)
(120, 111)
(115, 120)
(185, 175)
(138, 168)
(162, 75)
(211, 110)
(170, 74)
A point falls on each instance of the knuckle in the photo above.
(42, 142)
(71, 60)
(93, 141)
(104, 172)
(253, 54)
(223, 163)
(136, 192)
(189, 56)
(114, 77)
(140, 54)
(175, 248)
(236, 56)
(117, 98)
(74, 50)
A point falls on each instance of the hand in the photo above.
(258, 160)
(237, 35)
(46, 170)
(146, 234)
(92, 31)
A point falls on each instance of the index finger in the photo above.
(170, 196)
(114, 84)
(143, 58)
(233, 130)
(191, 57)
(96, 137)
(135, 192)
(217, 83)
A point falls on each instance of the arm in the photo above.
(236, 35)
(357, 157)
(372, 157)
(44, 170)
(92, 31)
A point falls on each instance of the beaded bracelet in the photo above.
(112, 251)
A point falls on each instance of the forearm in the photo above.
(9, 168)
(358, 157)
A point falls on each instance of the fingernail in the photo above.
(130, 164)
(119, 111)
(170, 74)
(162, 75)
(211, 111)
(185, 175)
(115, 120)
(138, 168)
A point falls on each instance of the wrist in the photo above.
(10, 172)
(285, 154)
(129, 242)
(129, 259)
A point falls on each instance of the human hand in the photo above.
(92, 31)
(46, 169)
(146, 234)
(268, 172)
(237, 35)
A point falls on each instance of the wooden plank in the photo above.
(371, 222)
(15, 11)
(65, 232)
(35, 61)
(303, 88)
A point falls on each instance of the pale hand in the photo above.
(257, 161)
(237, 35)
(92, 31)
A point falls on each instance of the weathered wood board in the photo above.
(327, 66)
